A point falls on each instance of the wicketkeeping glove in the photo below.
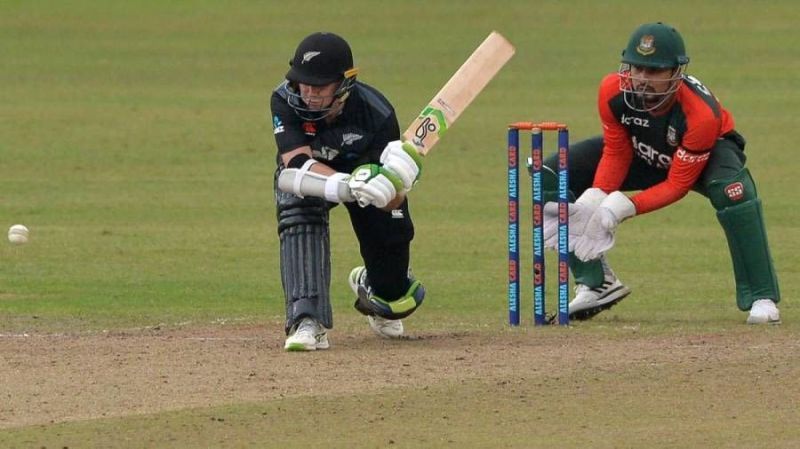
(579, 214)
(403, 159)
(598, 237)
(374, 185)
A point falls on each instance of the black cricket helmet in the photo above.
(321, 58)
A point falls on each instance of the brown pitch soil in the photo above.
(51, 379)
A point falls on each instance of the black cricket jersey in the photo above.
(356, 136)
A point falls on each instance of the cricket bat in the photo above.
(445, 107)
(470, 79)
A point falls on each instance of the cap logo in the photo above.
(309, 55)
(646, 45)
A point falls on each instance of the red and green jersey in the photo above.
(678, 141)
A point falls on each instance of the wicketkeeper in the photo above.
(664, 134)
(338, 142)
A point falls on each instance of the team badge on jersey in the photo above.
(672, 136)
(310, 128)
(349, 138)
(325, 152)
(277, 125)
(646, 45)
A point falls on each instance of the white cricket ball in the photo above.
(18, 234)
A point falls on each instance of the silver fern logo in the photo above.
(349, 138)
(325, 152)
(309, 55)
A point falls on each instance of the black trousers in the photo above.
(384, 240)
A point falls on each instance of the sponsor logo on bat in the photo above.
(432, 121)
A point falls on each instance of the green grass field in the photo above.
(135, 144)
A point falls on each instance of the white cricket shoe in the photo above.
(384, 327)
(307, 335)
(764, 311)
(589, 301)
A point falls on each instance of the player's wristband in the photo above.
(298, 160)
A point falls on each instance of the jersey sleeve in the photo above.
(706, 121)
(617, 148)
(382, 121)
(684, 171)
(388, 132)
(286, 125)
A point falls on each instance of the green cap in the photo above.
(656, 45)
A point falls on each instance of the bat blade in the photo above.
(448, 104)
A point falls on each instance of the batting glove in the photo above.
(373, 185)
(403, 159)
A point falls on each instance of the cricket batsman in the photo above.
(664, 134)
(338, 142)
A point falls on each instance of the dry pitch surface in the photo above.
(452, 388)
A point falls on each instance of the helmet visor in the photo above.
(645, 93)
